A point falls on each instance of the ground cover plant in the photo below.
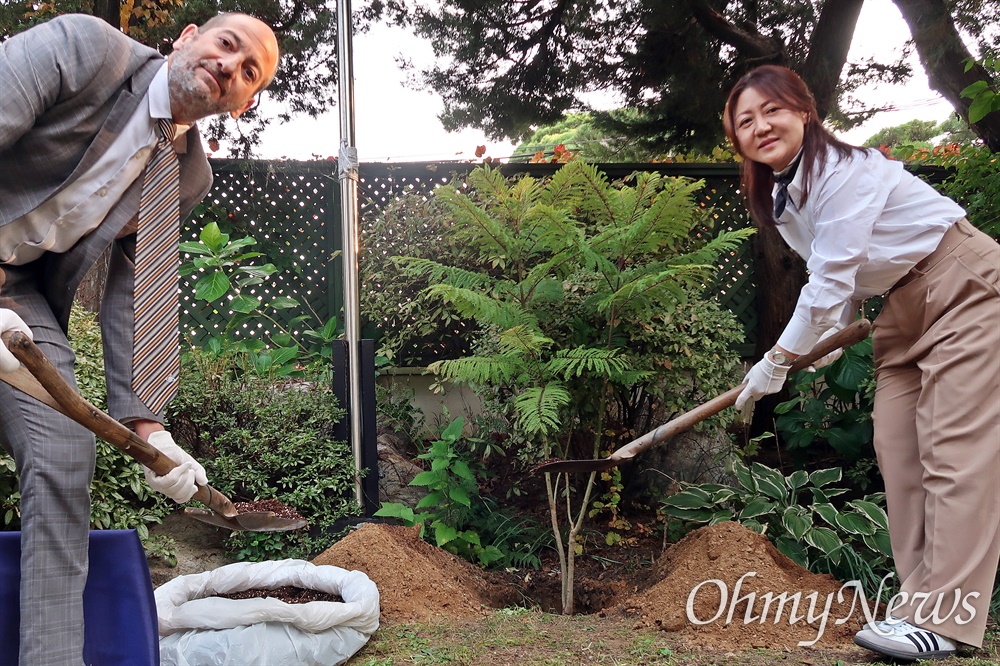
(261, 437)
(454, 515)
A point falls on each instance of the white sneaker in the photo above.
(902, 640)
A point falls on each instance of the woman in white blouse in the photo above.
(867, 227)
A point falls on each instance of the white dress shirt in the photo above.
(865, 224)
(81, 206)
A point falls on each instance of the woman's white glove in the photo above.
(9, 321)
(832, 356)
(765, 378)
(179, 483)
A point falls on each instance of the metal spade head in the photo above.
(254, 521)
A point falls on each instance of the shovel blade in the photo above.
(257, 521)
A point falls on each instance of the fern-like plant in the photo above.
(578, 270)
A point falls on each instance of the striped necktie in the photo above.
(156, 353)
(783, 179)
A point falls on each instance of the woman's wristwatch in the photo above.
(778, 357)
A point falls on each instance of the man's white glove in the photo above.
(179, 483)
(765, 378)
(832, 356)
(9, 321)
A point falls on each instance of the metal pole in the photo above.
(348, 173)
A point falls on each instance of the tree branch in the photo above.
(943, 55)
(830, 42)
(755, 47)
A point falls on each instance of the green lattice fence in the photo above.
(293, 210)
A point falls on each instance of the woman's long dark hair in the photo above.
(757, 179)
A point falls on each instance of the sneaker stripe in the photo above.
(933, 638)
(919, 641)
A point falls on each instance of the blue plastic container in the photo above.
(118, 606)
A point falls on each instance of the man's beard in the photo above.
(190, 94)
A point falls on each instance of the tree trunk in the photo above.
(942, 55)
(830, 42)
(89, 293)
(109, 11)
(780, 274)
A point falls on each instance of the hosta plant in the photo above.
(801, 515)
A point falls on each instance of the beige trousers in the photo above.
(937, 432)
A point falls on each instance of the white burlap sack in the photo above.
(198, 628)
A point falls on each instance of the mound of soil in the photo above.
(416, 581)
(713, 588)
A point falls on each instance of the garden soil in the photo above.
(743, 567)
(419, 582)
(416, 581)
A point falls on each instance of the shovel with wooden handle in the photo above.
(38, 378)
(853, 334)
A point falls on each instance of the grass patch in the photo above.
(526, 637)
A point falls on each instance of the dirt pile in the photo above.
(720, 587)
(416, 581)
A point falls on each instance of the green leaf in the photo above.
(873, 512)
(722, 517)
(851, 372)
(695, 515)
(827, 512)
(193, 247)
(758, 506)
(879, 542)
(824, 539)
(426, 479)
(211, 287)
(854, 523)
(444, 533)
(723, 495)
(283, 355)
(981, 106)
(263, 363)
(769, 481)
(793, 550)
(265, 271)
(213, 237)
(975, 89)
(796, 521)
(430, 500)
(330, 328)
(283, 303)
(797, 479)
(454, 430)
(244, 304)
(395, 510)
(688, 499)
(489, 555)
(460, 495)
(471, 536)
(743, 475)
(461, 469)
(821, 477)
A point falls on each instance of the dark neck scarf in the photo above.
(782, 179)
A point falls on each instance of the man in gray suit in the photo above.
(79, 117)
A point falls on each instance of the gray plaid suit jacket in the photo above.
(68, 87)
